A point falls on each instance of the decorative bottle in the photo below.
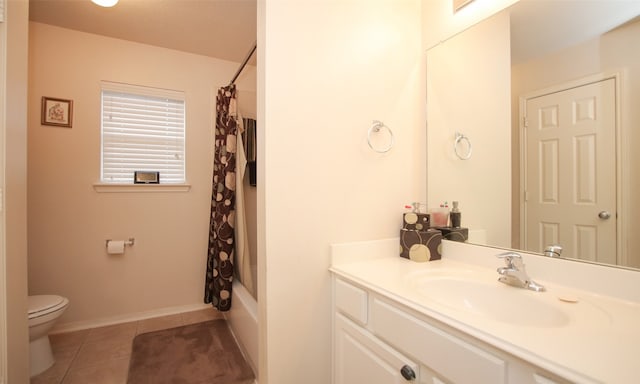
(455, 215)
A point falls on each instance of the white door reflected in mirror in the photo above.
(569, 171)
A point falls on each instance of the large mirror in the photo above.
(545, 96)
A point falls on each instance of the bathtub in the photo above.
(243, 320)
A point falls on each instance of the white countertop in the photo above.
(600, 343)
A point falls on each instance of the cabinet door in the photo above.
(521, 372)
(427, 376)
(359, 357)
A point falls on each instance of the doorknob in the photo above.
(604, 215)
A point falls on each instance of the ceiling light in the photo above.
(105, 3)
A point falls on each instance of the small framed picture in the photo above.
(56, 112)
(146, 177)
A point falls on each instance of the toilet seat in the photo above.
(41, 305)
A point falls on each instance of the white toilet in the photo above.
(44, 310)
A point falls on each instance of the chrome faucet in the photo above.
(514, 272)
(553, 250)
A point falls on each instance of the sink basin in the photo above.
(492, 300)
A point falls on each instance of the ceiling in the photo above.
(541, 26)
(224, 29)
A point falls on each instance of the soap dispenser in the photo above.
(455, 215)
(415, 220)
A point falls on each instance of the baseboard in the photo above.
(87, 324)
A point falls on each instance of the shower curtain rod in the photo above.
(244, 63)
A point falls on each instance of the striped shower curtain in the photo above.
(219, 275)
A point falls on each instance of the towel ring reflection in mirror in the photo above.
(462, 141)
(377, 127)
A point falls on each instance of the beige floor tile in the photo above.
(46, 379)
(55, 374)
(159, 323)
(125, 330)
(101, 355)
(111, 372)
(101, 352)
(69, 339)
(201, 315)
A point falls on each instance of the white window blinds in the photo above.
(143, 129)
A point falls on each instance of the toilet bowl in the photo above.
(44, 310)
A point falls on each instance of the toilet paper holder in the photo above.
(129, 242)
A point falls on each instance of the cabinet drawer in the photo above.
(453, 358)
(351, 300)
(361, 358)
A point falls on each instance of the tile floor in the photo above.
(101, 355)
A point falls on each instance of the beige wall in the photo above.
(326, 70)
(610, 53)
(347, 63)
(15, 178)
(468, 87)
(69, 221)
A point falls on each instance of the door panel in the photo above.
(571, 171)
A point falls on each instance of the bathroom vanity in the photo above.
(451, 321)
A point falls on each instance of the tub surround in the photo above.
(243, 321)
(598, 342)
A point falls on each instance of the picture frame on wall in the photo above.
(57, 112)
(146, 177)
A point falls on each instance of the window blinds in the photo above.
(143, 129)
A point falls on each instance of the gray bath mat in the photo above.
(193, 354)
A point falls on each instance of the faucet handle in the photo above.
(553, 250)
(511, 259)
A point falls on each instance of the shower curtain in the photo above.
(220, 258)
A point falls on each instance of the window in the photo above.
(143, 129)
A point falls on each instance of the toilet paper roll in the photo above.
(115, 247)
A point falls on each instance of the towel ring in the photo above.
(459, 138)
(376, 127)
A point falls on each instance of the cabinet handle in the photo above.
(408, 373)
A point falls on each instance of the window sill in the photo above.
(116, 188)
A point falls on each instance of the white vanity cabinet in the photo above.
(359, 356)
(378, 340)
